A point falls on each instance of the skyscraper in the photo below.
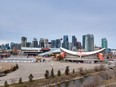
(23, 41)
(74, 41)
(7, 46)
(88, 42)
(104, 44)
(46, 42)
(58, 43)
(53, 43)
(83, 41)
(41, 43)
(34, 42)
(78, 45)
(65, 42)
(28, 44)
(16, 45)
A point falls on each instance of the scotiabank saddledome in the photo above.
(84, 56)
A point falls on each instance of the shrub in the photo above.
(52, 73)
(17, 66)
(81, 71)
(46, 74)
(6, 71)
(96, 68)
(108, 74)
(67, 70)
(101, 68)
(86, 72)
(73, 71)
(30, 78)
(59, 73)
(5, 84)
(20, 80)
(114, 69)
(14, 68)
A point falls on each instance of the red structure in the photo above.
(101, 56)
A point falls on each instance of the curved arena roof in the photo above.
(81, 53)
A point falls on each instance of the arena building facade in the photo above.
(88, 57)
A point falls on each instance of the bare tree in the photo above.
(5, 84)
(102, 67)
(107, 74)
(96, 68)
(81, 71)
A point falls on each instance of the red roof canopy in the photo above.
(44, 49)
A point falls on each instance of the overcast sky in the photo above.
(54, 18)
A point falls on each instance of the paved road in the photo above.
(38, 70)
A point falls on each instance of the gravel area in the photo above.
(38, 70)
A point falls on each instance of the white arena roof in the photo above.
(81, 53)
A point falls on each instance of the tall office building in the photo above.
(23, 41)
(34, 42)
(49, 45)
(65, 42)
(83, 41)
(7, 46)
(74, 41)
(104, 44)
(58, 43)
(41, 43)
(46, 42)
(28, 44)
(88, 42)
(53, 43)
(2, 47)
(16, 45)
(70, 45)
(78, 45)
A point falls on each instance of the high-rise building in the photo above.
(2, 47)
(78, 45)
(83, 41)
(34, 42)
(46, 42)
(28, 44)
(53, 43)
(41, 43)
(49, 45)
(7, 46)
(12, 44)
(65, 42)
(70, 46)
(23, 41)
(104, 44)
(16, 45)
(58, 43)
(74, 41)
(88, 42)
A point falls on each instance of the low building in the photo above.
(27, 51)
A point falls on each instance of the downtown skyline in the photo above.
(53, 19)
(87, 43)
